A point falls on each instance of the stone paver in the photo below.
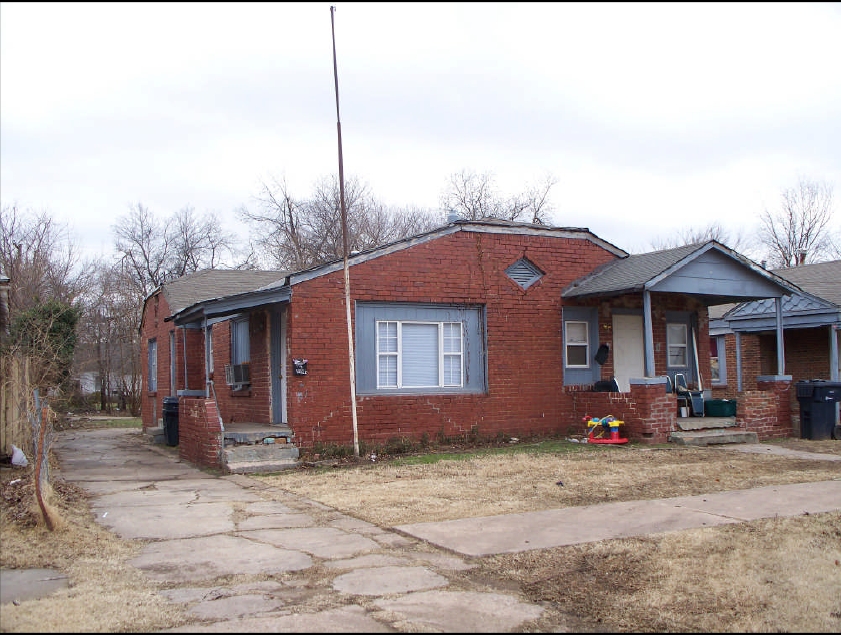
(207, 558)
(346, 619)
(460, 611)
(323, 542)
(760, 448)
(164, 520)
(245, 605)
(18, 585)
(388, 580)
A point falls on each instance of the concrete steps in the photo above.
(705, 423)
(259, 448)
(703, 431)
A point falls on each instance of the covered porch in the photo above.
(653, 318)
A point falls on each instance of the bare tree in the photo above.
(694, 235)
(298, 233)
(154, 251)
(36, 253)
(197, 242)
(800, 231)
(474, 196)
(109, 343)
(142, 242)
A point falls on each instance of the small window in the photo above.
(524, 272)
(240, 345)
(677, 344)
(577, 344)
(153, 365)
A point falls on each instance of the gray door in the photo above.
(278, 363)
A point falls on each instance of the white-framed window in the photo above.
(677, 344)
(419, 354)
(577, 343)
(240, 343)
(153, 365)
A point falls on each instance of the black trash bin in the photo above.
(170, 412)
(818, 399)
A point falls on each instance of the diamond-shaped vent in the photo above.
(524, 272)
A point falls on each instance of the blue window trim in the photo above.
(580, 375)
(474, 343)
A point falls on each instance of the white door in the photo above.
(628, 349)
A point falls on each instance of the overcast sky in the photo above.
(653, 117)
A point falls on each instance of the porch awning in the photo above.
(232, 304)
(710, 272)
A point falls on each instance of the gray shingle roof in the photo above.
(629, 274)
(212, 284)
(822, 279)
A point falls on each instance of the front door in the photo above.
(628, 349)
(278, 363)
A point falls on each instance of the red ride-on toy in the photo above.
(600, 427)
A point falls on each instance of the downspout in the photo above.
(738, 361)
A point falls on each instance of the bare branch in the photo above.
(800, 232)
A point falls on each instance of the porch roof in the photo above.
(211, 284)
(216, 292)
(711, 272)
(818, 304)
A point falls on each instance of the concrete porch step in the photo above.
(157, 435)
(712, 437)
(250, 459)
(256, 432)
(705, 423)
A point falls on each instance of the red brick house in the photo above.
(744, 337)
(488, 328)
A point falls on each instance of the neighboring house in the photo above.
(487, 327)
(744, 336)
(163, 355)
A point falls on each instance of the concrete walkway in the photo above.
(319, 570)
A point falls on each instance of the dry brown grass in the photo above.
(105, 594)
(780, 574)
(767, 575)
(391, 494)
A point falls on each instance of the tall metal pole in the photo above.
(345, 247)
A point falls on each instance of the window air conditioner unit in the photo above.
(237, 374)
